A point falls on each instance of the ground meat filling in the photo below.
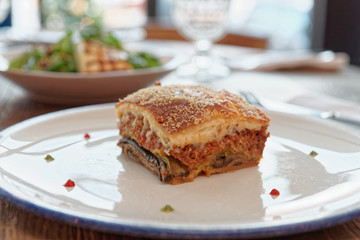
(249, 142)
(141, 132)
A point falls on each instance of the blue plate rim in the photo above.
(272, 230)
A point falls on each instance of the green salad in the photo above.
(60, 57)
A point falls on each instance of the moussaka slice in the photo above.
(180, 132)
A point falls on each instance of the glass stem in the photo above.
(202, 57)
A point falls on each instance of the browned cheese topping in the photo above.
(178, 107)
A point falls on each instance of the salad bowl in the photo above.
(75, 88)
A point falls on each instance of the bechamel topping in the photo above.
(179, 106)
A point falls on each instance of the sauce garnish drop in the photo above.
(87, 136)
(274, 192)
(69, 183)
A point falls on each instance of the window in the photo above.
(286, 23)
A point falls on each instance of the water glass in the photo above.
(203, 22)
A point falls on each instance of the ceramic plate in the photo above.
(82, 88)
(113, 194)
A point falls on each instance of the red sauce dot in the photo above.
(274, 192)
(86, 136)
(69, 183)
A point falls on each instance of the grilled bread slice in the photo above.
(92, 56)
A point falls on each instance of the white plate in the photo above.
(90, 88)
(113, 194)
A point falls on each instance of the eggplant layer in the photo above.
(171, 170)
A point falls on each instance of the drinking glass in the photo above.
(203, 22)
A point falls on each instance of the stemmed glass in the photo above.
(203, 22)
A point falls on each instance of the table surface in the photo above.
(16, 106)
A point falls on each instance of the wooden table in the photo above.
(17, 223)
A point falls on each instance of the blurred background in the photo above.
(285, 24)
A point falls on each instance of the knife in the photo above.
(300, 110)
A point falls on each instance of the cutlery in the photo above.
(295, 109)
